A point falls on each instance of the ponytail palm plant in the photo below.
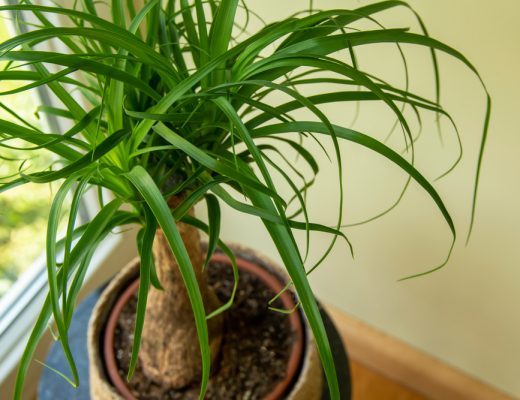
(177, 106)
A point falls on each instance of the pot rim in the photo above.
(268, 276)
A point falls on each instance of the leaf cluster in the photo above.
(176, 100)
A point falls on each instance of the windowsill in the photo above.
(111, 255)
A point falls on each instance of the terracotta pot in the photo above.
(303, 358)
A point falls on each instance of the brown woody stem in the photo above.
(170, 352)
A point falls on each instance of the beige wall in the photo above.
(467, 313)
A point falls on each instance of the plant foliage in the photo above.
(175, 98)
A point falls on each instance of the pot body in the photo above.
(308, 384)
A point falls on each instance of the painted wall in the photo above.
(467, 313)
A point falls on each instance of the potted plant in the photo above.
(177, 107)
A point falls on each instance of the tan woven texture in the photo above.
(308, 386)
(100, 388)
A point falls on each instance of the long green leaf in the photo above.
(145, 268)
(73, 215)
(222, 26)
(13, 130)
(366, 141)
(214, 226)
(116, 90)
(52, 230)
(128, 42)
(107, 145)
(229, 253)
(153, 197)
(291, 258)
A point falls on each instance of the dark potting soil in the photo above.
(255, 347)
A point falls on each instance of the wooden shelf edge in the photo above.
(408, 366)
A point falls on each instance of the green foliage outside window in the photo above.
(24, 210)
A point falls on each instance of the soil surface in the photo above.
(255, 348)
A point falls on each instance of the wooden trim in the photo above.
(408, 366)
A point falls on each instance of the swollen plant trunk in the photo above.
(170, 352)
